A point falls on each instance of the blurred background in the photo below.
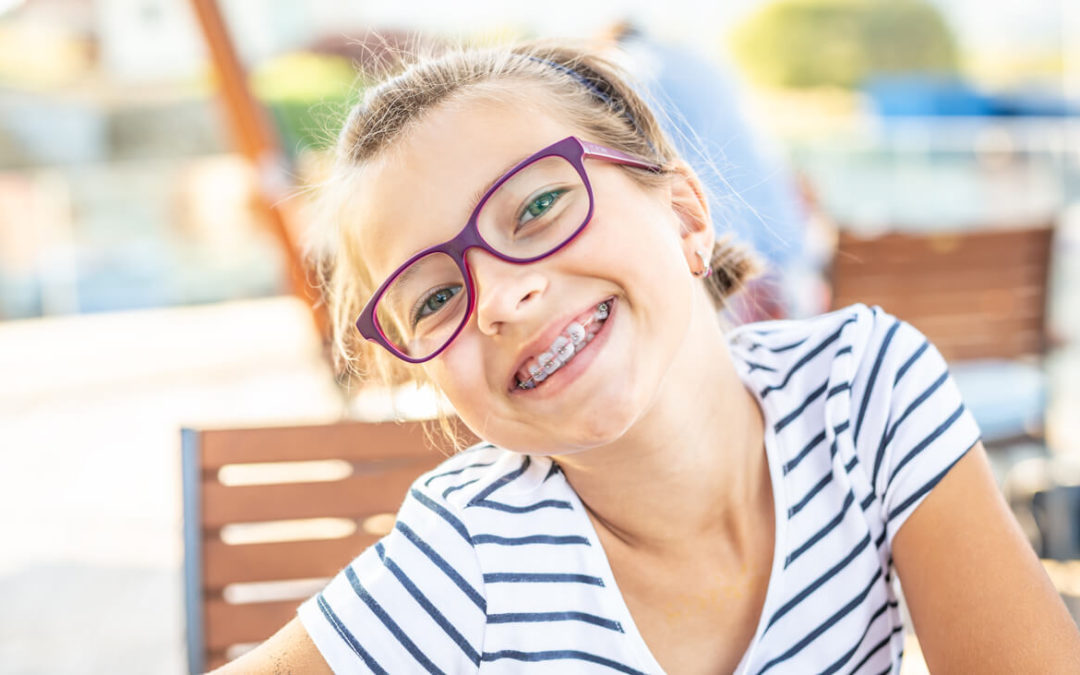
(156, 162)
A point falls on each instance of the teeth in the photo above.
(576, 332)
(564, 348)
(566, 352)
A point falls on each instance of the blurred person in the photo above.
(753, 193)
(654, 493)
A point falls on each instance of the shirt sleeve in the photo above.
(911, 425)
(413, 602)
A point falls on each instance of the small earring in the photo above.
(706, 269)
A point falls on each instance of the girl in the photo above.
(653, 495)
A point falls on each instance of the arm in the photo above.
(290, 650)
(978, 597)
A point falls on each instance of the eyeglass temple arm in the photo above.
(600, 152)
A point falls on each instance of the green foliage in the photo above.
(808, 43)
(308, 96)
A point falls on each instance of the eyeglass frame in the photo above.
(575, 151)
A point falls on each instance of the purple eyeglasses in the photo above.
(531, 212)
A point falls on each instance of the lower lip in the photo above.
(566, 375)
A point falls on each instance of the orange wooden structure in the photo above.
(257, 140)
(976, 294)
(384, 459)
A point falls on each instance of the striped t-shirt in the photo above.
(494, 566)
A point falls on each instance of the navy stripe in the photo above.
(510, 508)
(342, 631)
(814, 634)
(839, 663)
(934, 435)
(890, 432)
(501, 481)
(794, 414)
(454, 488)
(552, 471)
(455, 471)
(814, 442)
(560, 654)
(907, 364)
(875, 649)
(873, 376)
(838, 388)
(541, 577)
(530, 539)
(442, 512)
(543, 617)
(441, 563)
(793, 345)
(810, 495)
(927, 486)
(390, 624)
(482, 498)
(868, 500)
(776, 350)
(919, 400)
(432, 611)
(758, 366)
(807, 357)
(881, 537)
(851, 465)
(814, 585)
(842, 351)
(816, 537)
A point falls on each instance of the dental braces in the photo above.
(563, 348)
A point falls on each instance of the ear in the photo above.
(691, 207)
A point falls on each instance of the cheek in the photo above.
(460, 374)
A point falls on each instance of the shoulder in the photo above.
(775, 354)
(788, 355)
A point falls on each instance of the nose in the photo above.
(505, 292)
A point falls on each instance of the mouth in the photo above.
(573, 338)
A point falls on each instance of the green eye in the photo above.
(539, 206)
(434, 302)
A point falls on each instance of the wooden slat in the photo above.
(352, 497)
(975, 294)
(350, 441)
(229, 624)
(875, 279)
(278, 561)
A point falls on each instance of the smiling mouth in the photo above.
(572, 340)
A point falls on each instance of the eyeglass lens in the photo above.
(533, 212)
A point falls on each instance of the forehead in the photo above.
(420, 192)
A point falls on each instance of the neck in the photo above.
(693, 468)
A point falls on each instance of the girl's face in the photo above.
(633, 255)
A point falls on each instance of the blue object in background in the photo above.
(922, 95)
(756, 195)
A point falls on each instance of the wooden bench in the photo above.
(257, 543)
(976, 294)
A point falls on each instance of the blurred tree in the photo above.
(308, 95)
(808, 43)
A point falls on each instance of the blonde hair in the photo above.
(590, 89)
